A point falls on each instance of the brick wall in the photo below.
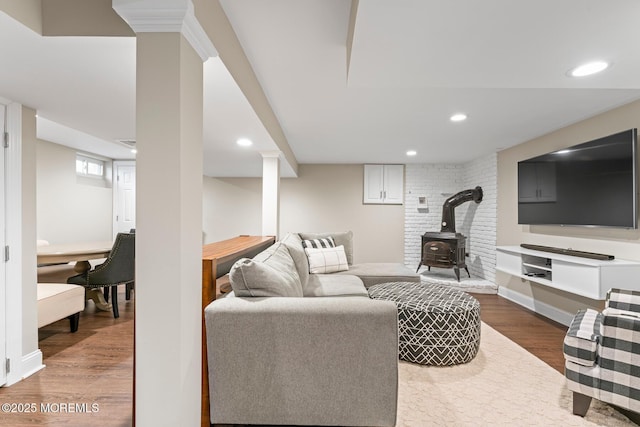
(437, 182)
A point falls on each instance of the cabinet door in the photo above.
(536, 182)
(393, 191)
(527, 183)
(546, 174)
(373, 183)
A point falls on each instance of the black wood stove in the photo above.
(447, 249)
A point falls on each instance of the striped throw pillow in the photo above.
(326, 242)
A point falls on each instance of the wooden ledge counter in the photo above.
(217, 259)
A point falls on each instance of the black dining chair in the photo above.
(118, 269)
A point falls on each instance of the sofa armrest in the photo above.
(623, 299)
(581, 341)
(322, 361)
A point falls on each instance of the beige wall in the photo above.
(82, 18)
(322, 198)
(29, 12)
(623, 244)
(68, 17)
(329, 198)
(69, 209)
(231, 207)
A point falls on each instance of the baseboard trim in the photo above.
(31, 363)
(539, 307)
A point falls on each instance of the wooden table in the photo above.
(80, 252)
(217, 259)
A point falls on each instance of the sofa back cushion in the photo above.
(344, 238)
(293, 242)
(271, 273)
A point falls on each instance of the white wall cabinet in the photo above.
(581, 276)
(536, 182)
(383, 184)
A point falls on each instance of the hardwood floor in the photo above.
(94, 366)
(535, 333)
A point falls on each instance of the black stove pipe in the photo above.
(448, 223)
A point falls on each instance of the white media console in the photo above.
(581, 276)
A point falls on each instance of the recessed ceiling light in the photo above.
(412, 153)
(563, 151)
(458, 117)
(244, 142)
(134, 151)
(588, 69)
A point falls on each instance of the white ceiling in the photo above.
(413, 64)
(83, 89)
(85, 84)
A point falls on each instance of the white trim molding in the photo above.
(270, 154)
(32, 363)
(168, 16)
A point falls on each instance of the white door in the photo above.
(124, 197)
(3, 281)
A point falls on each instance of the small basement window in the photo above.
(89, 167)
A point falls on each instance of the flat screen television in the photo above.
(589, 184)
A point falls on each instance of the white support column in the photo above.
(168, 231)
(171, 46)
(271, 193)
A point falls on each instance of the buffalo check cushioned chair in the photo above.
(602, 353)
(118, 269)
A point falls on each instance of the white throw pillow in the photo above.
(327, 260)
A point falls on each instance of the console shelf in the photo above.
(586, 277)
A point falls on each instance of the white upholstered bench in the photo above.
(59, 300)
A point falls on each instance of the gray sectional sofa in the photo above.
(292, 348)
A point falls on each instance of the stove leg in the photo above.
(457, 271)
(465, 267)
(419, 265)
(429, 268)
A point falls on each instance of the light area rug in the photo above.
(504, 385)
(466, 283)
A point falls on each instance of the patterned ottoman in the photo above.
(437, 325)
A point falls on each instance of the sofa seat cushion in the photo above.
(381, 272)
(332, 285)
(271, 273)
(57, 301)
